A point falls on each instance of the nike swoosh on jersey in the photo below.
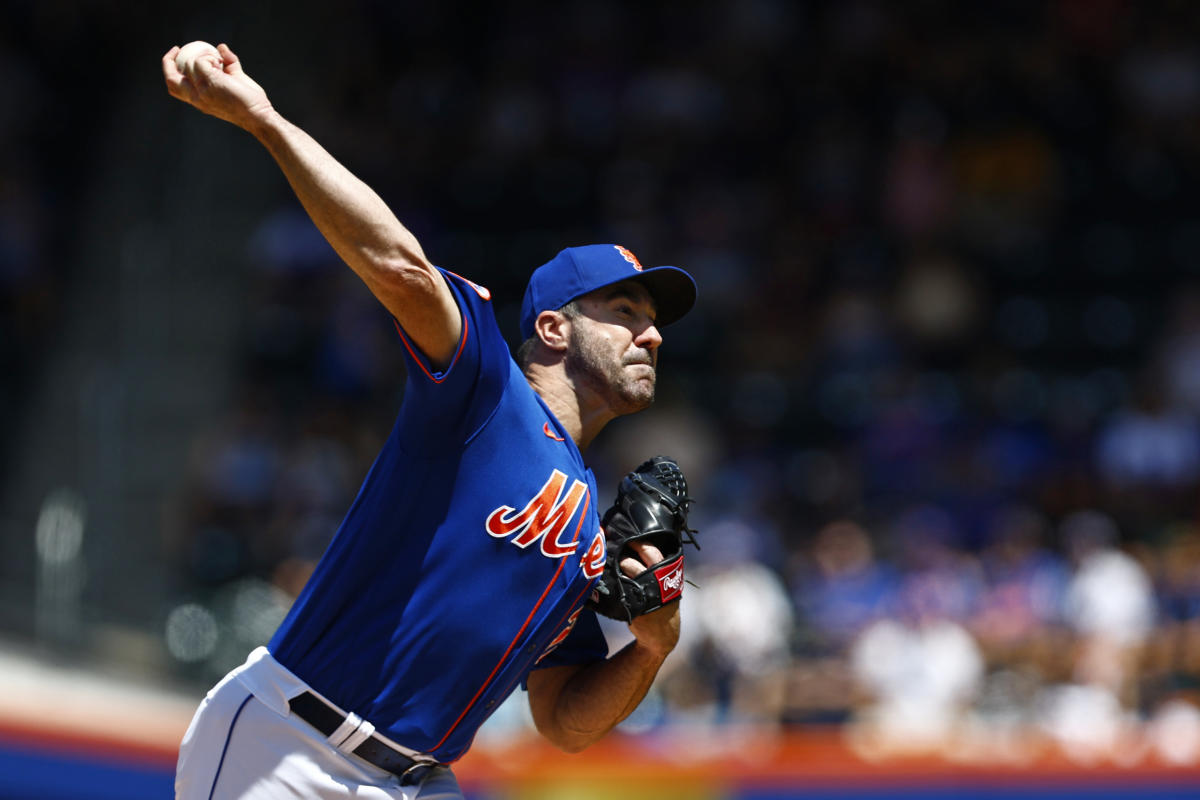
(546, 430)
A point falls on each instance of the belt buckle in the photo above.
(413, 768)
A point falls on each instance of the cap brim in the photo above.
(673, 290)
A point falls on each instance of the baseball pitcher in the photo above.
(473, 559)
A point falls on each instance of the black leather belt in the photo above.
(320, 715)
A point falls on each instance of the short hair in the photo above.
(524, 353)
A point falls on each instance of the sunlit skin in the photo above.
(614, 345)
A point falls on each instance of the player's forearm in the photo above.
(351, 216)
(601, 695)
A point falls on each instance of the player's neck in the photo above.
(582, 417)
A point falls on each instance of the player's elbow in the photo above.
(571, 741)
(555, 702)
(574, 747)
(565, 736)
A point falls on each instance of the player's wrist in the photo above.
(657, 633)
(653, 649)
(262, 120)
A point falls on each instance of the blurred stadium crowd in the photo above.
(940, 398)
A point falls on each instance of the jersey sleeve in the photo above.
(447, 406)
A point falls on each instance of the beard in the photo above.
(591, 364)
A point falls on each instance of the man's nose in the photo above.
(649, 338)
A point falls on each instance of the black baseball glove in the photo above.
(651, 506)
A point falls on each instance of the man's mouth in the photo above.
(644, 361)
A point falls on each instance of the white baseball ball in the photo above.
(186, 58)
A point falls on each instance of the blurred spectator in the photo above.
(842, 589)
(738, 625)
(1109, 603)
(1149, 443)
(1170, 672)
(918, 668)
(919, 674)
(1174, 732)
(1019, 620)
(1088, 722)
(839, 589)
(1109, 606)
(939, 580)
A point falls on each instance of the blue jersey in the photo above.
(465, 559)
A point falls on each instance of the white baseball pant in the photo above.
(243, 743)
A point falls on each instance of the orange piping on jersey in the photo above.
(561, 562)
(462, 342)
(587, 588)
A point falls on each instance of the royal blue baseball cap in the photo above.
(576, 271)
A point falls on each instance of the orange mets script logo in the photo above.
(593, 560)
(629, 256)
(544, 519)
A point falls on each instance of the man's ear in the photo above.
(553, 328)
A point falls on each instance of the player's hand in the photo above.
(227, 92)
(658, 630)
(649, 555)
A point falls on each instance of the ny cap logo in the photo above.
(628, 255)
